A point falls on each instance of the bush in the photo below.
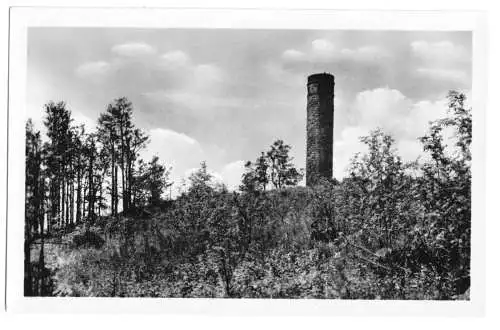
(87, 238)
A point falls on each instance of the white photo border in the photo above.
(23, 18)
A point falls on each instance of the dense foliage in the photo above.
(74, 177)
(390, 230)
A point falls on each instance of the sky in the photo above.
(224, 95)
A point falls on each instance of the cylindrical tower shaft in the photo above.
(319, 159)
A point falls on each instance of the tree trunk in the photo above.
(122, 164)
(100, 196)
(78, 195)
(72, 203)
(113, 180)
(67, 202)
(51, 199)
(130, 178)
(116, 189)
(41, 259)
(61, 204)
(28, 277)
(85, 201)
(91, 190)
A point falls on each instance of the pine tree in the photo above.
(34, 199)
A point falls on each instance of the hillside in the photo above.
(180, 250)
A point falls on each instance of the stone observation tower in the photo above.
(319, 159)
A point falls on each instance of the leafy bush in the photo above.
(87, 238)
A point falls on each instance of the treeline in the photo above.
(76, 176)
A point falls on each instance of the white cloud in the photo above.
(322, 49)
(442, 61)
(423, 112)
(278, 75)
(444, 74)
(80, 118)
(201, 104)
(199, 91)
(184, 154)
(92, 69)
(207, 77)
(365, 53)
(175, 59)
(395, 114)
(193, 76)
(175, 149)
(381, 107)
(231, 174)
(133, 49)
(198, 86)
(293, 55)
(173, 137)
(346, 147)
(439, 51)
(409, 149)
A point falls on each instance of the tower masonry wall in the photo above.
(320, 108)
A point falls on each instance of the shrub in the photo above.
(87, 238)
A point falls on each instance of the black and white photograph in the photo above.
(248, 163)
(245, 158)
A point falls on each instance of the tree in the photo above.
(134, 144)
(283, 172)
(121, 110)
(379, 177)
(58, 123)
(256, 177)
(140, 189)
(275, 167)
(91, 156)
(79, 168)
(156, 180)
(446, 195)
(201, 178)
(34, 199)
(74, 167)
(107, 136)
(123, 142)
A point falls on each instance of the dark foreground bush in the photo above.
(88, 239)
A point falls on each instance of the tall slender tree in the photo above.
(34, 199)
(123, 141)
(135, 143)
(108, 138)
(57, 122)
